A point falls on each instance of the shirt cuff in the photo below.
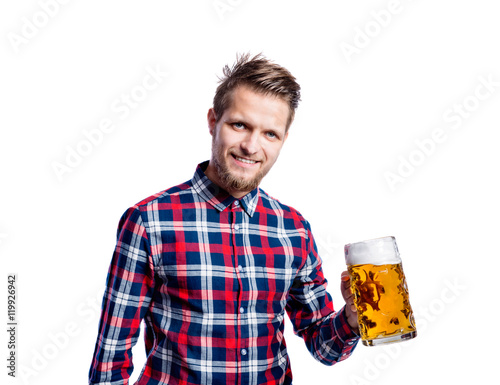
(346, 334)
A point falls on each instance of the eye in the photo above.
(271, 135)
(238, 125)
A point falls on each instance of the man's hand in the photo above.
(350, 309)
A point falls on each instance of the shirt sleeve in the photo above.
(126, 299)
(326, 333)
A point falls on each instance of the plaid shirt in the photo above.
(212, 276)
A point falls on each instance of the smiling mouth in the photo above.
(244, 160)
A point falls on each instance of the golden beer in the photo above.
(380, 291)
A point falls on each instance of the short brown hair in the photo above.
(261, 75)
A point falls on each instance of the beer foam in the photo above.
(378, 251)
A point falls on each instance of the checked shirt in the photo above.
(212, 277)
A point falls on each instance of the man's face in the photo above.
(247, 140)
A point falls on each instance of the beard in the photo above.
(230, 181)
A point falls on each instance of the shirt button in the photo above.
(242, 310)
(243, 352)
(236, 227)
(236, 203)
(240, 268)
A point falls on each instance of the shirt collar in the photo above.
(219, 198)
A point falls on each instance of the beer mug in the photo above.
(380, 291)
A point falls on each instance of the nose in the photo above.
(251, 143)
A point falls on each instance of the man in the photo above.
(213, 264)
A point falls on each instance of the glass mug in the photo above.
(380, 291)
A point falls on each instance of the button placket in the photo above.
(239, 224)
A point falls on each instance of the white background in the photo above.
(377, 78)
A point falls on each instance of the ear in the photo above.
(212, 121)
(286, 136)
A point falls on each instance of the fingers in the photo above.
(345, 287)
(345, 281)
(349, 300)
